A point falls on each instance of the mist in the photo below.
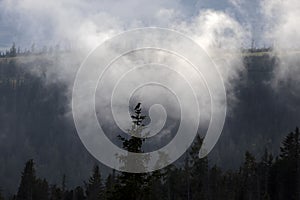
(259, 113)
(82, 26)
(283, 32)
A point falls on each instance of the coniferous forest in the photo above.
(262, 161)
(262, 178)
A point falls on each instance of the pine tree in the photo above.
(94, 188)
(288, 166)
(111, 186)
(30, 187)
(290, 149)
(28, 179)
(264, 168)
(199, 172)
(132, 185)
(215, 187)
(249, 177)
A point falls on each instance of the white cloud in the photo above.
(283, 19)
(85, 24)
(283, 30)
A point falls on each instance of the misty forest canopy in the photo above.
(255, 158)
(263, 178)
(15, 50)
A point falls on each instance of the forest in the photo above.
(265, 178)
(257, 156)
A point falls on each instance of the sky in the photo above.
(42, 22)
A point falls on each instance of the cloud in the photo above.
(283, 31)
(86, 24)
(283, 20)
(222, 37)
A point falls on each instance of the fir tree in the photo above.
(28, 179)
(199, 172)
(94, 188)
(288, 166)
(132, 185)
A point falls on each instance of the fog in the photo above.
(222, 30)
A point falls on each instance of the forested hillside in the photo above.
(35, 123)
(258, 179)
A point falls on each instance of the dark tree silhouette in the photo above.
(132, 185)
(288, 168)
(28, 181)
(94, 187)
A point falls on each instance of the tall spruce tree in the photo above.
(32, 188)
(288, 166)
(133, 185)
(264, 168)
(94, 187)
(199, 172)
(28, 179)
(110, 186)
(249, 178)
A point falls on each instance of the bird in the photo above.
(137, 106)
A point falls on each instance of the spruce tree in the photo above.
(110, 186)
(249, 177)
(264, 168)
(94, 188)
(289, 167)
(28, 179)
(199, 171)
(133, 185)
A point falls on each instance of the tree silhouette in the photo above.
(30, 187)
(28, 181)
(94, 187)
(199, 171)
(288, 168)
(264, 174)
(132, 185)
(110, 186)
(249, 177)
(267, 179)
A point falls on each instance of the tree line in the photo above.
(14, 51)
(265, 178)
